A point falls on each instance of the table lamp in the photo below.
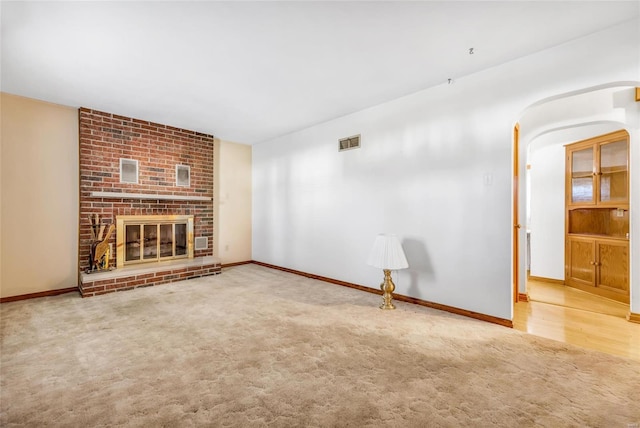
(387, 254)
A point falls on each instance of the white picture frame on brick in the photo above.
(128, 171)
(183, 175)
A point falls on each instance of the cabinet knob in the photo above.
(592, 263)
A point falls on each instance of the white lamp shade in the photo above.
(387, 253)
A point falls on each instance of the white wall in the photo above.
(634, 220)
(547, 211)
(434, 167)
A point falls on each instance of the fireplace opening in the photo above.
(153, 238)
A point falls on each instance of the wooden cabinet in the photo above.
(597, 216)
(597, 171)
(599, 266)
(612, 265)
(581, 254)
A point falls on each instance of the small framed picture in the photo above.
(183, 175)
(128, 171)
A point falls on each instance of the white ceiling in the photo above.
(251, 71)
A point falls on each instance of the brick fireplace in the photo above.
(131, 167)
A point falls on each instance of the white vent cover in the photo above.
(128, 171)
(201, 243)
(349, 143)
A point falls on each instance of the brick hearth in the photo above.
(137, 276)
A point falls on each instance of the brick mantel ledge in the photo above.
(119, 195)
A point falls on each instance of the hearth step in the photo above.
(128, 278)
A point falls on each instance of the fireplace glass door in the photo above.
(153, 238)
(166, 240)
(155, 241)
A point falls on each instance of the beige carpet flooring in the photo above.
(259, 347)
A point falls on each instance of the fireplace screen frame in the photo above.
(146, 222)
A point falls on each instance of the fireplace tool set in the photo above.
(100, 251)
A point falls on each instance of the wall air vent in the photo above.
(201, 243)
(349, 143)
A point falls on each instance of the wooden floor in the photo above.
(573, 316)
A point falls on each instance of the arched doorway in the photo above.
(544, 128)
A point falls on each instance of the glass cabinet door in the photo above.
(613, 172)
(582, 178)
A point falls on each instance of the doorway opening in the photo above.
(563, 313)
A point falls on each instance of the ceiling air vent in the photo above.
(349, 143)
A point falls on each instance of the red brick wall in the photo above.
(105, 138)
